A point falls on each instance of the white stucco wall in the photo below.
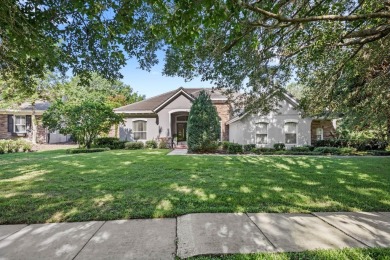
(125, 131)
(160, 123)
(180, 104)
(243, 131)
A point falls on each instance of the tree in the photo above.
(84, 120)
(41, 89)
(113, 93)
(253, 46)
(203, 125)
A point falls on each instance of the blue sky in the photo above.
(154, 83)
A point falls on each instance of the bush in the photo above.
(327, 150)
(85, 150)
(249, 147)
(300, 149)
(134, 145)
(110, 142)
(263, 150)
(163, 144)
(379, 153)
(225, 145)
(279, 146)
(234, 148)
(151, 144)
(359, 144)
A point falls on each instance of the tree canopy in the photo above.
(338, 48)
(84, 120)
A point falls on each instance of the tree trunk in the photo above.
(33, 124)
(388, 129)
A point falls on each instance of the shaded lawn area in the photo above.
(54, 186)
(336, 254)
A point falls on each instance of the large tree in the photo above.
(84, 120)
(256, 46)
(203, 125)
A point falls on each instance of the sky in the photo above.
(154, 83)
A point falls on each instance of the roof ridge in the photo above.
(146, 99)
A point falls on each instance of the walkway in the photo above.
(194, 234)
(178, 152)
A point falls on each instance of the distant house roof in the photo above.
(153, 104)
(39, 107)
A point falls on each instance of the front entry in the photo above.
(181, 132)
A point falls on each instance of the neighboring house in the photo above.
(166, 116)
(17, 123)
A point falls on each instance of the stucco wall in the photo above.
(244, 131)
(180, 104)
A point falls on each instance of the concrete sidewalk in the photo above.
(195, 234)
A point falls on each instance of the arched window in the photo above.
(261, 133)
(139, 130)
(290, 132)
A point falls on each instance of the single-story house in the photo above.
(166, 115)
(16, 123)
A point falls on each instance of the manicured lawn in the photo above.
(349, 253)
(54, 186)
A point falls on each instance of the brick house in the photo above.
(17, 123)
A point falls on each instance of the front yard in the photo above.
(54, 186)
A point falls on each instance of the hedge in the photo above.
(151, 144)
(14, 146)
(85, 150)
(359, 144)
(109, 142)
(134, 145)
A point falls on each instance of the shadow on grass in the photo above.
(53, 186)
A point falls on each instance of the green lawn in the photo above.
(55, 186)
(348, 253)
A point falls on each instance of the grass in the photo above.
(348, 253)
(54, 186)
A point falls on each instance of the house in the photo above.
(16, 123)
(166, 116)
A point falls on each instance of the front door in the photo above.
(181, 132)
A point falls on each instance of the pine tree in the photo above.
(203, 125)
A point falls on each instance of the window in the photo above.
(262, 133)
(20, 124)
(319, 134)
(182, 118)
(139, 130)
(290, 131)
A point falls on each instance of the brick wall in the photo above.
(326, 125)
(224, 112)
(41, 131)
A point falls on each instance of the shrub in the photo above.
(3, 146)
(225, 145)
(203, 125)
(327, 150)
(379, 153)
(85, 150)
(263, 150)
(110, 142)
(279, 146)
(234, 148)
(134, 145)
(300, 149)
(25, 146)
(163, 144)
(249, 147)
(151, 144)
(359, 144)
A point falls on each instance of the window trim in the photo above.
(267, 127)
(322, 134)
(293, 121)
(25, 124)
(146, 128)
